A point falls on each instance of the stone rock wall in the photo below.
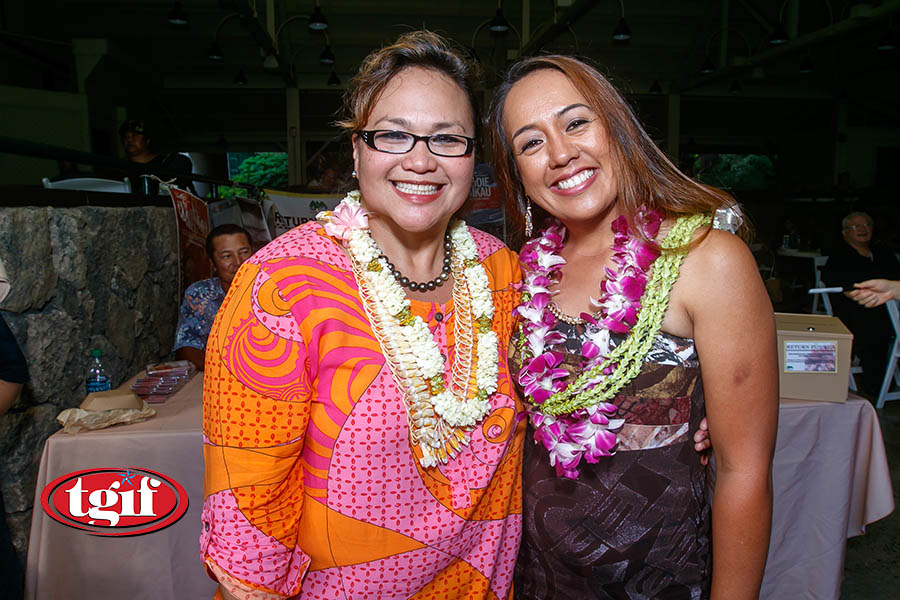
(81, 278)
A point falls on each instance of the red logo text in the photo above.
(115, 502)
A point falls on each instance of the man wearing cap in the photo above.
(136, 141)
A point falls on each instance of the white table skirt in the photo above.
(67, 563)
(831, 479)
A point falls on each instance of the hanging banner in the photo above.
(291, 209)
(192, 218)
(257, 217)
(487, 210)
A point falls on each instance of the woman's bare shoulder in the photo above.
(719, 268)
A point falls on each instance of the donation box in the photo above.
(814, 353)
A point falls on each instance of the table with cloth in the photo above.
(831, 479)
(67, 563)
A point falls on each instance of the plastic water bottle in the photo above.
(97, 380)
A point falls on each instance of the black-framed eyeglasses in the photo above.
(401, 142)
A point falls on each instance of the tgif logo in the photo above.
(115, 502)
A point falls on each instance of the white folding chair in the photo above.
(826, 306)
(90, 184)
(818, 263)
(891, 372)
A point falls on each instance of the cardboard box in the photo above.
(814, 354)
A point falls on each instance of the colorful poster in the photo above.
(291, 210)
(192, 218)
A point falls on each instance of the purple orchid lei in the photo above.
(585, 432)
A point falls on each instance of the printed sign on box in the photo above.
(810, 357)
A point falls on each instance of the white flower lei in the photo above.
(437, 412)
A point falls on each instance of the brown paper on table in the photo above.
(102, 409)
(111, 399)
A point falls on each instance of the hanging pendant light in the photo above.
(240, 78)
(499, 24)
(333, 79)
(736, 87)
(806, 65)
(214, 53)
(779, 35)
(621, 33)
(317, 20)
(707, 67)
(656, 88)
(177, 16)
(327, 56)
(887, 41)
(270, 64)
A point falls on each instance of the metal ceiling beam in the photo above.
(548, 33)
(840, 28)
(757, 15)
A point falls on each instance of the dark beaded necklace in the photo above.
(425, 285)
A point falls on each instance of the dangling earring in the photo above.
(353, 174)
(529, 225)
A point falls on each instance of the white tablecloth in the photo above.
(831, 479)
(67, 563)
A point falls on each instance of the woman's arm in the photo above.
(875, 292)
(255, 416)
(734, 331)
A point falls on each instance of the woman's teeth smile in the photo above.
(576, 179)
(416, 188)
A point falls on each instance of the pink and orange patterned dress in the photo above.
(312, 488)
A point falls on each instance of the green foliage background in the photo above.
(265, 169)
(735, 171)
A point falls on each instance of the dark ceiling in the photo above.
(153, 68)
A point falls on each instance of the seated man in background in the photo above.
(227, 247)
(136, 142)
(852, 262)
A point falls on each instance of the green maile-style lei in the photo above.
(629, 355)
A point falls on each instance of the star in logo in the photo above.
(127, 476)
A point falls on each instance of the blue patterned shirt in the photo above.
(202, 300)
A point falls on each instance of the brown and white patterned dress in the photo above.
(637, 524)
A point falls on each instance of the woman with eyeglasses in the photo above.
(362, 439)
(629, 294)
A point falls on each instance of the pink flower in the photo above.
(539, 378)
(540, 336)
(587, 432)
(344, 219)
(649, 221)
(631, 288)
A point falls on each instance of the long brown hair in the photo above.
(646, 176)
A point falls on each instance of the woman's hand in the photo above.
(702, 443)
(875, 292)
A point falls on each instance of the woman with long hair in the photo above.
(628, 292)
